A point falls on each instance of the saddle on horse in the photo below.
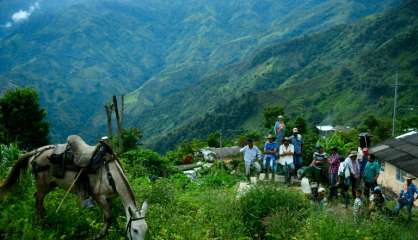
(77, 154)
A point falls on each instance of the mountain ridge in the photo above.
(350, 65)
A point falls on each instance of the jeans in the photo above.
(288, 170)
(270, 162)
(297, 159)
(404, 203)
(333, 178)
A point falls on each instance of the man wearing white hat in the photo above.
(407, 196)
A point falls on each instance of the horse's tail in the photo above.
(20, 166)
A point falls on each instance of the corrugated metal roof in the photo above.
(401, 152)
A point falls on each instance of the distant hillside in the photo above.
(340, 75)
(78, 53)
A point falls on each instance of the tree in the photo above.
(213, 139)
(130, 138)
(22, 119)
(300, 123)
(270, 115)
(371, 123)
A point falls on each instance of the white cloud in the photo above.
(22, 15)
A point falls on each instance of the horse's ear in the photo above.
(144, 208)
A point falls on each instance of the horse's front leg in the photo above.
(41, 191)
(106, 208)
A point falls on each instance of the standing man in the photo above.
(279, 129)
(407, 196)
(320, 159)
(353, 166)
(251, 154)
(271, 149)
(286, 159)
(297, 141)
(334, 164)
(371, 173)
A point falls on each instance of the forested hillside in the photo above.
(79, 53)
(340, 75)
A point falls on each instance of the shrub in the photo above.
(266, 202)
(144, 162)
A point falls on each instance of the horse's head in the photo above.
(136, 227)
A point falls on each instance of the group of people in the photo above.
(358, 171)
(280, 152)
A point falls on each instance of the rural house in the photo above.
(399, 156)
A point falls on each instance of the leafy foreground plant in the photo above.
(203, 209)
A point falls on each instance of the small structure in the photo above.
(398, 156)
(325, 130)
(211, 154)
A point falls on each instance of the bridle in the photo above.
(129, 225)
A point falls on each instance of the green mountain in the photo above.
(340, 75)
(78, 53)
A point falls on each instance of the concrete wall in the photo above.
(387, 178)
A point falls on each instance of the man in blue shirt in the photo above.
(270, 152)
(297, 141)
(407, 196)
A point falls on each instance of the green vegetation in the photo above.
(22, 120)
(207, 208)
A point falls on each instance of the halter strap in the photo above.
(129, 225)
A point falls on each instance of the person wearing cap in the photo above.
(377, 201)
(297, 141)
(371, 173)
(271, 149)
(363, 158)
(334, 164)
(407, 196)
(251, 154)
(286, 159)
(349, 171)
(279, 129)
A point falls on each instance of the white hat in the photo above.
(104, 138)
(321, 189)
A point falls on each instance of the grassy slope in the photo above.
(334, 75)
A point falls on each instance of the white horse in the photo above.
(106, 182)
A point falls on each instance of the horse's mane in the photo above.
(124, 179)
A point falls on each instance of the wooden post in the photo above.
(109, 110)
(118, 123)
(122, 111)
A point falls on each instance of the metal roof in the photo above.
(401, 152)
